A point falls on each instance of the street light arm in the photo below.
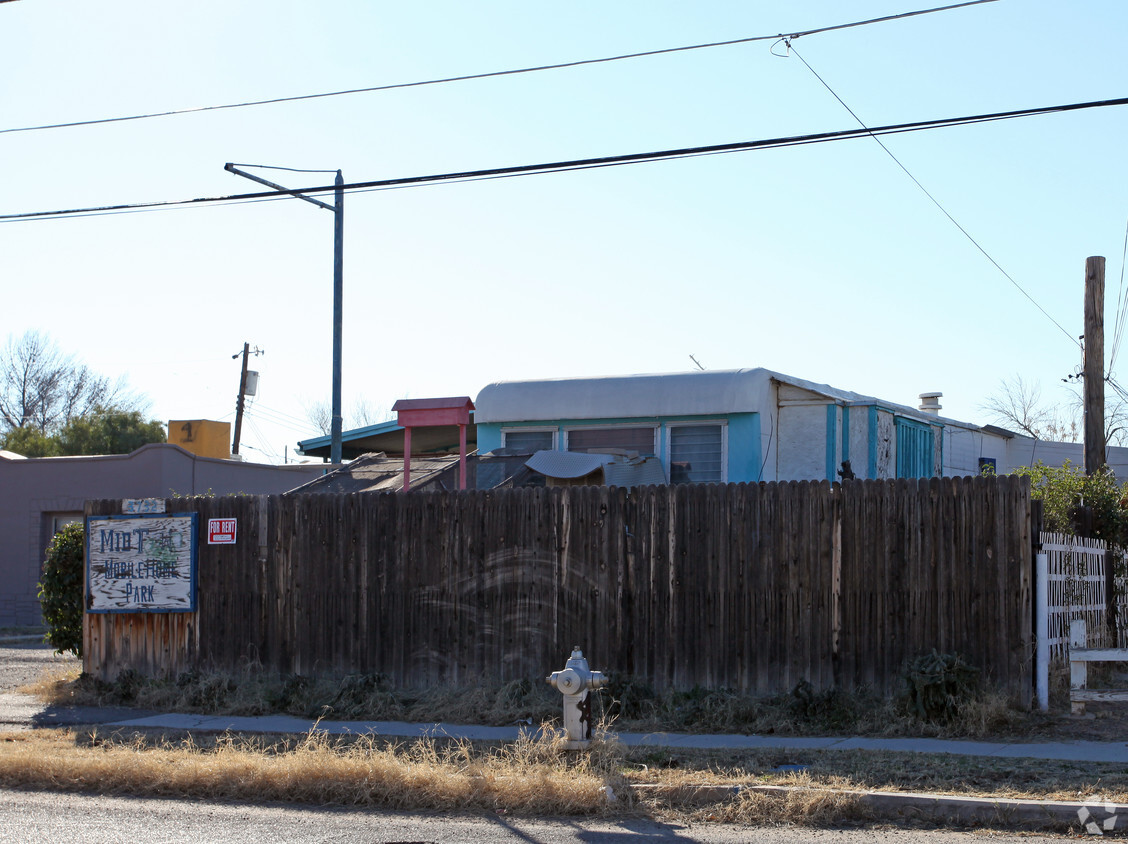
(231, 168)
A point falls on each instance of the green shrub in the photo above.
(936, 686)
(830, 709)
(60, 592)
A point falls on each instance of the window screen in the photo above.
(640, 440)
(696, 454)
(530, 441)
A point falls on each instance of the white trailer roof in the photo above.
(642, 396)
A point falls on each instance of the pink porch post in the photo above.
(422, 413)
(406, 458)
(462, 457)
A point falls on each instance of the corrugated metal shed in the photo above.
(380, 473)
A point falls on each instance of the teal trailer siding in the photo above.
(871, 456)
(831, 439)
(743, 443)
(489, 437)
(745, 448)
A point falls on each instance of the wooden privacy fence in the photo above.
(750, 587)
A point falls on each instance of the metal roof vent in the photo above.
(930, 403)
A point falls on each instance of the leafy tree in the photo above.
(30, 442)
(60, 592)
(108, 431)
(43, 388)
(101, 432)
(1064, 490)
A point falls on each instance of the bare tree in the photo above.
(1018, 404)
(363, 413)
(43, 388)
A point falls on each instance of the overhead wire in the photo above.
(935, 201)
(263, 443)
(578, 164)
(489, 74)
(1121, 307)
(283, 420)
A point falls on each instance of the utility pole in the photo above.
(1093, 399)
(338, 209)
(240, 402)
(1093, 365)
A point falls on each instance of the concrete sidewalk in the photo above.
(1076, 751)
(18, 711)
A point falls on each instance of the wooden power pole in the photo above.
(1093, 366)
(242, 399)
(247, 387)
(1093, 369)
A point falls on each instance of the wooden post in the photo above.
(462, 457)
(407, 459)
(1078, 670)
(1110, 598)
(240, 402)
(1094, 365)
(1094, 405)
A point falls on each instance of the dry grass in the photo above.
(526, 777)
(533, 777)
(800, 806)
(627, 704)
(867, 770)
(55, 685)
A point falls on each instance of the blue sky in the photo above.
(825, 262)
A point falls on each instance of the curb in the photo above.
(1093, 816)
(30, 637)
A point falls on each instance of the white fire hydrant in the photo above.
(575, 682)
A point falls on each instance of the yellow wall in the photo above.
(201, 436)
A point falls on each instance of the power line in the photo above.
(936, 202)
(575, 164)
(490, 74)
(1121, 306)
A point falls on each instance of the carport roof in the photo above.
(388, 438)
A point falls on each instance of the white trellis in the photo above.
(1076, 588)
(1071, 587)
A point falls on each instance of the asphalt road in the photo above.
(42, 816)
(79, 819)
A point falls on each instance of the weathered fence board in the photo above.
(753, 587)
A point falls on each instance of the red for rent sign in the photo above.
(221, 531)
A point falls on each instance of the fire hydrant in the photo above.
(575, 682)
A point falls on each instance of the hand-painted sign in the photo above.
(142, 505)
(143, 563)
(221, 531)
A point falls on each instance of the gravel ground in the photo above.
(26, 658)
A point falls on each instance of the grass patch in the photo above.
(525, 777)
(627, 704)
(56, 685)
(531, 777)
